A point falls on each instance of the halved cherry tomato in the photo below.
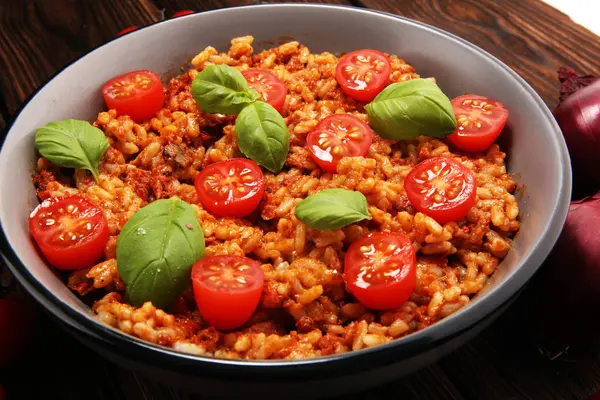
(127, 30)
(70, 231)
(182, 13)
(16, 329)
(271, 88)
(441, 188)
(227, 289)
(380, 270)
(139, 94)
(230, 188)
(479, 120)
(337, 136)
(362, 74)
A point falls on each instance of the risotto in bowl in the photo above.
(286, 201)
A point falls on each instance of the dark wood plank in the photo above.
(4, 115)
(39, 37)
(503, 363)
(171, 6)
(59, 366)
(531, 37)
(431, 383)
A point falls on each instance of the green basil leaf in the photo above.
(332, 209)
(254, 94)
(72, 143)
(405, 110)
(156, 250)
(262, 135)
(222, 89)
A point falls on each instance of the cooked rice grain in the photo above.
(161, 157)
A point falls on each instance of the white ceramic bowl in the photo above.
(536, 154)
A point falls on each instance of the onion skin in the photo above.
(563, 302)
(571, 81)
(579, 119)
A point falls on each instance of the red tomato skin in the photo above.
(82, 255)
(324, 159)
(127, 30)
(16, 329)
(481, 141)
(244, 307)
(378, 297)
(387, 296)
(182, 13)
(446, 213)
(222, 310)
(141, 106)
(276, 96)
(361, 94)
(238, 208)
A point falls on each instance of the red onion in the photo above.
(571, 81)
(579, 119)
(563, 302)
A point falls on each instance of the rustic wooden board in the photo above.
(531, 37)
(172, 6)
(38, 38)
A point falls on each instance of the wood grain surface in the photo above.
(531, 37)
(39, 37)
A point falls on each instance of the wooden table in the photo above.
(38, 37)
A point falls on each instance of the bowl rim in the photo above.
(411, 344)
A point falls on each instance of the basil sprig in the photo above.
(405, 110)
(222, 89)
(156, 250)
(72, 143)
(261, 132)
(332, 209)
(262, 135)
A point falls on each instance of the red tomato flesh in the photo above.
(127, 30)
(139, 94)
(479, 122)
(337, 136)
(362, 74)
(70, 231)
(227, 289)
(182, 13)
(441, 188)
(270, 87)
(380, 270)
(230, 188)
